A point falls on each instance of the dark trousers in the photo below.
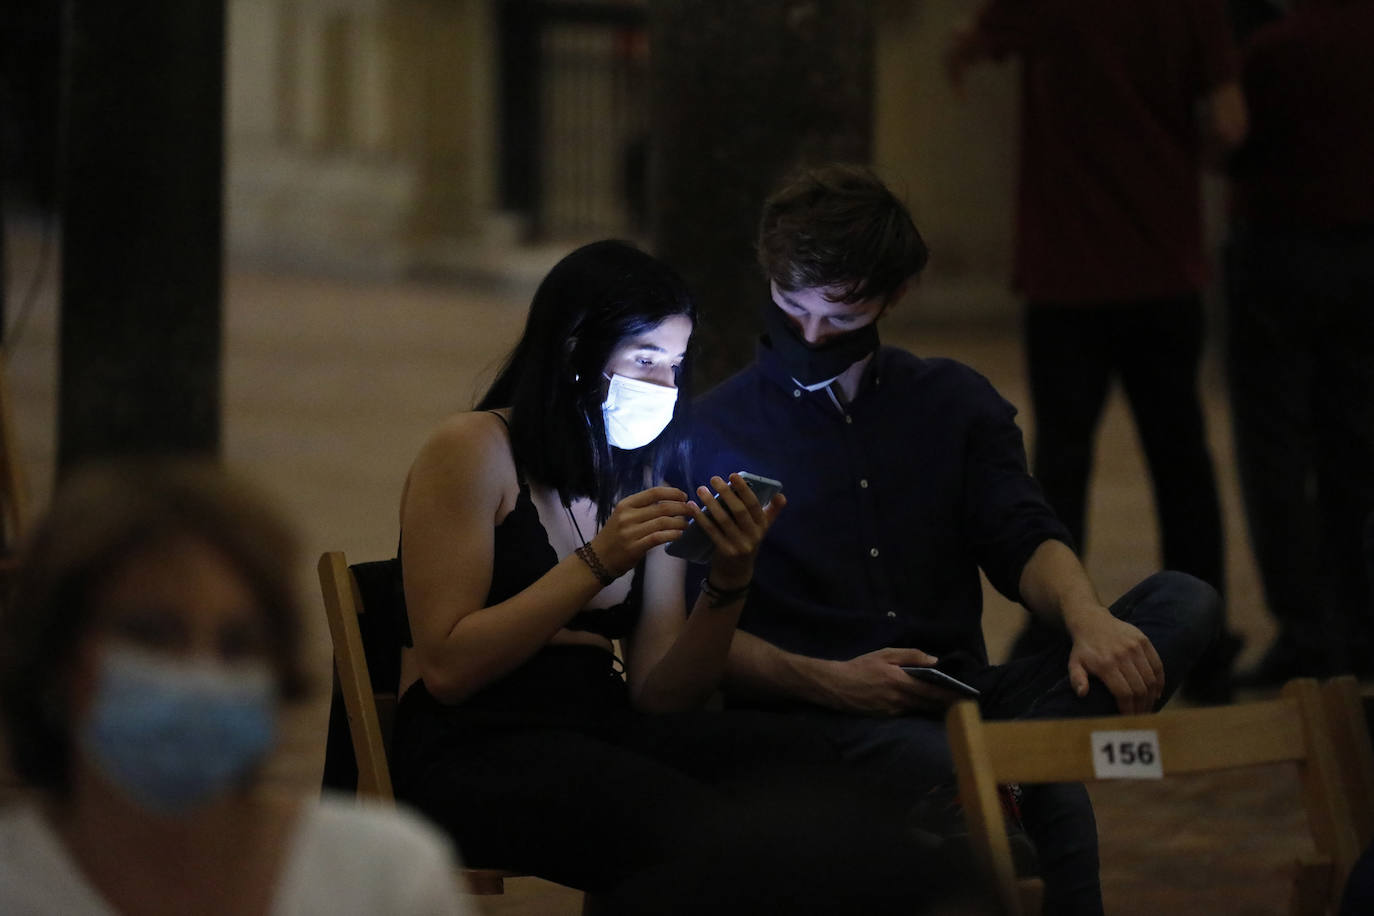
(550, 772)
(1073, 353)
(1358, 897)
(1180, 614)
(1300, 360)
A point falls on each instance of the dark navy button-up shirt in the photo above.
(894, 502)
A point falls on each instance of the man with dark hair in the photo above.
(904, 477)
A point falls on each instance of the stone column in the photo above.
(141, 214)
(520, 78)
(4, 276)
(742, 93)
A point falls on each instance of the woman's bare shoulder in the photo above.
(467, 452)
(468, 438)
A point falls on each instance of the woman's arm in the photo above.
(453, 497)
(675, 661)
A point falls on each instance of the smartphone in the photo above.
(940, 679)
(695, 545)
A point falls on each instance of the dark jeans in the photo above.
(1073, 352)
(1358, 897)
(550, 772)
(1300, 341)
(1180, 614)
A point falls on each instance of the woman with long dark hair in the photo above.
(533, 533)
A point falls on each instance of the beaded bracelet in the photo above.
(588, 555)
(719, 597)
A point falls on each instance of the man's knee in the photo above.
(1177, 607)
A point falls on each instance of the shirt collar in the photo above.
(772, 369)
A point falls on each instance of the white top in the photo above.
(345, 859)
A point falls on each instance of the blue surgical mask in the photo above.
(173, 734)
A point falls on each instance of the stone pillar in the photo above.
(951, 158)
(742, 93)
(519, 60)
(443, 113)
(141, 213)
(4, 276)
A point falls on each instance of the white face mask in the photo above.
(635, 412)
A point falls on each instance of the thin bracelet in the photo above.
(588, 555)
(718, 597)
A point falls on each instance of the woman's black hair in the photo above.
(594, 299)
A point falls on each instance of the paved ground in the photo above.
(330, 387)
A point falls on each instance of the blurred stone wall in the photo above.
(953, 161)
(359, 130)
(362, 138)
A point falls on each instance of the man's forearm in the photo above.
(760, 669)
(1055, 586)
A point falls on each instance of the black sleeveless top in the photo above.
(522, 553)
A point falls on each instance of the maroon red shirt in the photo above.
(1309, 86)
(1109, 201)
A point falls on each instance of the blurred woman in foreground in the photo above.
(152, 642)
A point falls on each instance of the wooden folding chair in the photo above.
(370, 710)
(1290, 729)
(14, 500)
(1345, 708)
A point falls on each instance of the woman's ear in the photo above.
(568, 347)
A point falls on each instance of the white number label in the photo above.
(1127, 755)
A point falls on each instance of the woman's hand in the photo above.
(640, 522)
(736, 532)
(675, 660)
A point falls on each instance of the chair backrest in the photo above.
(14, 501)
(1350, 730)
(343, 605)
(1292, 729)
(369, 703)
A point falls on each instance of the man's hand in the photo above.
(1119, 655)
(874, 684)
(1055, 586)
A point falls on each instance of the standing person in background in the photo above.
(1109, 248)
(1300, 300)
(150, 647)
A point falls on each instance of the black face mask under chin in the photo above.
(812, 364)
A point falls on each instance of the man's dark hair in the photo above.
(838, 228)
(595, 298)
(102, 516)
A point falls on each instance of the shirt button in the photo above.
(872, 551)
(796, 392)
(892, 614)
(864, 483)
(848, 418)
